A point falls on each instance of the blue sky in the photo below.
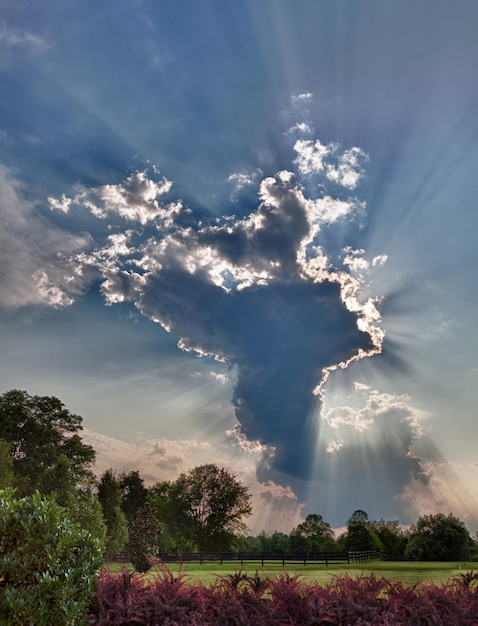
(245, 232)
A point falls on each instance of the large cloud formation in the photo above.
(256, 292)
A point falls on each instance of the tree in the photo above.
(144, 535)
(109, 495)
(207, 506)
(312, 535)
(134, 494)
(439, 538)
(358, 517)
(7, 477)
(47, 564)
(391, 536)
(40, 430)
(360, 533)
(159, 496)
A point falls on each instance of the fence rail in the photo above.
(289, 558)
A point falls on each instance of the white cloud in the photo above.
(301, 128)
(448, 488)
(136, 199)
(312, 155)
(31, 252)
(345, 169)
(371, 410)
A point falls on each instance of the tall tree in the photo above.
(360, 533)
(134, 494)
(439, 538)
(208, 505)
(40, 430)
(312, 535)
(109, 495)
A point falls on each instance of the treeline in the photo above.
(41, 451)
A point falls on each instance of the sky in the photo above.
(245, 232)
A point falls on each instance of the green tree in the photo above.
(439, 538)
(207, 507)
(40, 430)
(393, 539)
(47, 564)
(134, 494)
(7, 477)
(312, 535)
(360, 534)
(109, 495)
(159, 496)
(358, 517)
(144, 538)
(79, 497)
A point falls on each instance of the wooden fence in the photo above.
(289, 558)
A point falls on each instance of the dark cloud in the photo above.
(256, 292)
(279, 337)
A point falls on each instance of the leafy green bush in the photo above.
(48, 564)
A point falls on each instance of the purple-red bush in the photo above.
(244, 600)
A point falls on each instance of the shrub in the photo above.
(243, 600)
(47, 563)
(144, 534)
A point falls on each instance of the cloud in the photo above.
(374, 434)
(34, 253)
(346, 168)
(449, 488)
(136, 199)
(14, 39)
(256, 292)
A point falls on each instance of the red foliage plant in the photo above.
(244, 600)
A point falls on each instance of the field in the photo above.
(409, 572)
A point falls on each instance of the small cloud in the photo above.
(170, 463)
(12, 38)
(334, 445)
(158, 450)
(301, 98)
(300, 128)
(381, 259)
(222, 378)
(345, 169)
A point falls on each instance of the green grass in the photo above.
(409, 572)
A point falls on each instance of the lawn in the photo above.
(409, 572)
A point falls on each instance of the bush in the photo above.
(47, 564)
(243, 600)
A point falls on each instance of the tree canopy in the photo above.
(312, 535)
(206, 507)
(40, 430)
(439, 537)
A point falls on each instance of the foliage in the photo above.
(358, 517)
(241, 599)
(392, 538)
(109, 495)
(439, 538)
(47, 564)
(312, 535)
(40, 430)
(360, 534)
(205, 507)
(84, 508)
(144, 536)
(134, 494)
(7, 477)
